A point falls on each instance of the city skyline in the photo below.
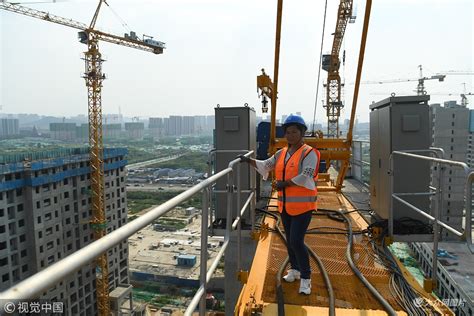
(229, 52)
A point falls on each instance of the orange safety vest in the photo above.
(296, 199)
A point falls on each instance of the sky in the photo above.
(216, 48)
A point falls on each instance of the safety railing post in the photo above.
(468, 222)
(239, 232)
(209, 173)
(203, 257)
(390, 211)
(252, 212)
(437, 210)
(361, 163)
(230, 189)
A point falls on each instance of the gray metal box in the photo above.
(235, 131)
(399, 123)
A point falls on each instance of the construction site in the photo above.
(389, 216)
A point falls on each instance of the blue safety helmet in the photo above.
(295, 120)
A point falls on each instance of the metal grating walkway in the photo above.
(348, 289)
(258, 297)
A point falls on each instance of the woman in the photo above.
(296, 169)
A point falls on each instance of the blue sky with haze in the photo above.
(216, 48)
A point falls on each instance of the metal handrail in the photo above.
(439, 192)
(242, 211)
(199, 297)
(33, 286)
(359, 162)
(210, 162)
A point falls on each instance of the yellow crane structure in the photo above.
(332, 148)
(94, 77)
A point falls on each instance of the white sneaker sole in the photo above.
(291, 280)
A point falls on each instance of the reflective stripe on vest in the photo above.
(299, 198)
(295, 199)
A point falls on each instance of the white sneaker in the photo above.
(292, 275)
(305, 286)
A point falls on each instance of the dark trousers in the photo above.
(295, 230)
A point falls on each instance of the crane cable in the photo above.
(122, 21)
(319, 68)
(388, 308)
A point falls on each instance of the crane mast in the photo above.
(94, 78)
(331, 64)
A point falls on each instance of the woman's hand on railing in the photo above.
(244, 158)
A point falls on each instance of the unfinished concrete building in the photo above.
(44, 216)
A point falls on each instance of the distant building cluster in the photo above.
(116, 126)
(73, 132)
(181, 125)
(157, 127)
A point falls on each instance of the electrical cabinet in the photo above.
(235, 133)
(397, 124)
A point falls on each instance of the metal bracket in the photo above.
(243, 276)
(263, 230)
(251, 307)
(376, 232)
(429, 285)
(230, 189)
(255, 234)
(388, 240)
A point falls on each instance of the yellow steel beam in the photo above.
(365, 30)
(298, 310)
(275, 74)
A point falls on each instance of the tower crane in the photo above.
(420, 89)
(94, 77)
(331, 64)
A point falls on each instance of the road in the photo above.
(157, 187)
(152, 161)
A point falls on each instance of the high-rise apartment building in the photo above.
(175, 123)
(188, 127)
(181, 125)
(156, 126)
(45, 214)
(9, 127)
(470, 146)
(135, 130)
(450, 125)
(63, 131)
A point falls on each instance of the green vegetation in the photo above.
(190, 160)
(161, 294)
(171, 223)
(196, 140)
(138, 201)
(138, 155)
